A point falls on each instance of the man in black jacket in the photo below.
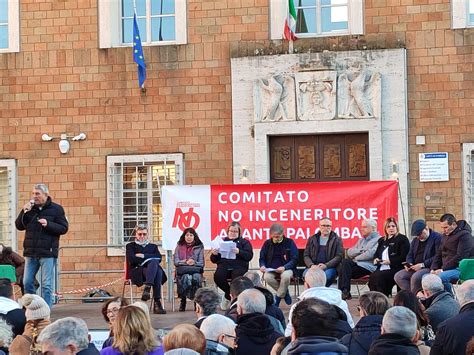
(456, 245)
(44, 222)
(324, 250)
(454, 333)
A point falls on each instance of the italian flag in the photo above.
(290, 22)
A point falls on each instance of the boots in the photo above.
(182, 305)
(158, 307)
(146, 293)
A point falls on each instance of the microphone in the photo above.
(27, 209)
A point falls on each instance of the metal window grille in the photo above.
(134, 193)
(8, 202)
(469, 182)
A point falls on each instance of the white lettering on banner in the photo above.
(307, 214)
(294, 233)
(262, 197)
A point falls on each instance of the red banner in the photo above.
(299, 207)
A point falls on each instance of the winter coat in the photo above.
(271, 309)
(112, 351)
(135, 267)
(13, 314)
(363, 252)
(363, 335)
(432, 244)
(242, 258)
(215, 348)
(290, 257)
(398, 247)
(42, 242)
(454, 333)
(313, 345)
(334, 250)
(198, 257)
(332, 296)
(255, 334)
(453, 248)
(393, 344)
(9, 257)
(90, 350)
(439, 307)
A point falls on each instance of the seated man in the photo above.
(456, 244)
(220, 334)
(206, 300)
(278, 258)
(398, 334)
(360, 257)
(237, 286)
(440, 304)
(420, 256)
(324, 250)
(143, 260)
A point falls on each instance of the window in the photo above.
(8, 202)
(160, 22)
(468, 184)
(315, 18)
(134, 192)
(462, 13)
(9, 26)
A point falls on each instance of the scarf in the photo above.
(185, 251)
(142, 244)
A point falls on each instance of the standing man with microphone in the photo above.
(44, 222)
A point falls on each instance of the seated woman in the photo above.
(143, 259)
(9, 257)
(229, 269)
(189, 263)
(392, 250)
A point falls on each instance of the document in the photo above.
(227, 249)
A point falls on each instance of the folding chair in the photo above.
(127, 282)
(362, 281)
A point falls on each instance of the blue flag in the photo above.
(138, 56)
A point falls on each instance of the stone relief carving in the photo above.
(359, 93)
(316, 95)
(274, 99)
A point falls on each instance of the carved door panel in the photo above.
(357, 156)
(282, 160)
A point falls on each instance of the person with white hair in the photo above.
(398, 333)
(315, 287)
(439, 304)
(6, 336)
(68, 335)
(255, 333)
(360, 258)
(220, 334)
(454, 333)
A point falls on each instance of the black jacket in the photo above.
(432, 245)
(290, 258)
(242, 259)
(363, 334)
(90, 350)
(454, 333)
(42, 242)
(439, 307)
(393, 344)
(334, 251)
(453, 248)
(215, 348)
(255, 334)
(313, 345)
(271, 309)
(135, 268)
(398, 247)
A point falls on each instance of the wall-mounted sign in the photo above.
(434, 167)
(433, 213)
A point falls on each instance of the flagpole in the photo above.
(290, 42)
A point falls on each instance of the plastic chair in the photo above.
(8, 272)
(466, 267)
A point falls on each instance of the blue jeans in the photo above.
(447, 277)
(331, 274)
(47, 267)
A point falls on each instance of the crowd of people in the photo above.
(423, 317)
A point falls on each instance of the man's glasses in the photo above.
(142, 234)
(234, 338)
(326, 225)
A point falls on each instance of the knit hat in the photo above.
(417, 227)
(36, 307)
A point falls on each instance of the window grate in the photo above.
(8, 202)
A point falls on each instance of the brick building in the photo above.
(66, 67)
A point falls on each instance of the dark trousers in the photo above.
(382, 281)
(350, 270)
(153, 277)
(223, 274)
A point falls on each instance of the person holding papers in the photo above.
(143, 261)
(232, 255)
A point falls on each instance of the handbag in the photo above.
(188, 269)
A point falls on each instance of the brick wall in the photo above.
(61, 82)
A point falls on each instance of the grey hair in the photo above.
(315, 278)
(400, 320)
(252, 301)
(276, 228)
(371, 222)
(208, 299)
(6, 333)
(432, 283)
(254, 276)
(215, 325)
(42, 187)
(66, 331)
(465, 292)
